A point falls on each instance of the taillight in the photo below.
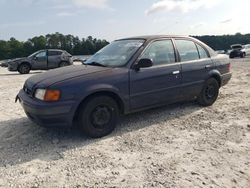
(229, 67)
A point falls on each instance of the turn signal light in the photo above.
(52, 95)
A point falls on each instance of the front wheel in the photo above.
(98, 116)
(209, 92)
(24, 68)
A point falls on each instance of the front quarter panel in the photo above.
(113, 80)
(12, 66)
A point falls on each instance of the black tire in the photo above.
(209, 92)
(24, 68)
(243, 55)
(98, 116)
(63, 64)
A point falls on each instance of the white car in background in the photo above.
(246, 49)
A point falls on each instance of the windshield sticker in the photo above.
(133, 44)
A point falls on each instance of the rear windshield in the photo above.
(236, 47)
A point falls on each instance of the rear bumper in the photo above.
(56, 114)
(225, 78)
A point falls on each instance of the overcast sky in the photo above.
(112, 19)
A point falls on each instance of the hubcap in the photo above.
(101, 116)
(210, 92)
(25, 69)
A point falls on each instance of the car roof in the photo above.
(155, 37)
(236, 45)
(56, 50)
(152, 37)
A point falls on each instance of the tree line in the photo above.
(75, 46)
(223, 42)
(88, 46)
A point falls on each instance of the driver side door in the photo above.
(40, 60)
(160, 83)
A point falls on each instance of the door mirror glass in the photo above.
(143, 63)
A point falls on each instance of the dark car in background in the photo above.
(237, 51)
(41, 60)
(4, 63)
(126, 76)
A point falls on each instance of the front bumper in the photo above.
(225, 78)
(46, 114)
(12, 67)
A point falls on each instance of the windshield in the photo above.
(34, 54)
(115, 54)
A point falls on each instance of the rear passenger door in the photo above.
(54, 58)
(195, 66)
(157, 84)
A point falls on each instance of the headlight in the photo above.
(40, 93)
(47, 95)
(11, 62)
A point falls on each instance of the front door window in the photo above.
(161, 52)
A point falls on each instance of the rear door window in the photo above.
(202, 52)
(54, 53)
(161, 52)
(187, 50)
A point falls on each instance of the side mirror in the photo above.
(35, 58)
(143, 63)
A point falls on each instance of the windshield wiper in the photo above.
(95, 64)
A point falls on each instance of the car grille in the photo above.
(27, 91)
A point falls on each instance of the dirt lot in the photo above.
(182, 145)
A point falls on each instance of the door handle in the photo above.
(176, 72)
(208, 66)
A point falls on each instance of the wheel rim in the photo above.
(24, 69)
(210, 92)
(101, 116)
(63, 64)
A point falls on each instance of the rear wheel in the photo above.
(243, 55)
(98, 116)
(63, 64)
(209, 92)
(24, 68)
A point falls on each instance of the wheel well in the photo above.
(217, 77)
(63, 61)
(101, 93)
(24, 63)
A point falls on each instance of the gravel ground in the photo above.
(181, 145)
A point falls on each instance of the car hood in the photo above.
(18, 59)
(61, 74)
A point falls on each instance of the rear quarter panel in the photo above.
(221, 63)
